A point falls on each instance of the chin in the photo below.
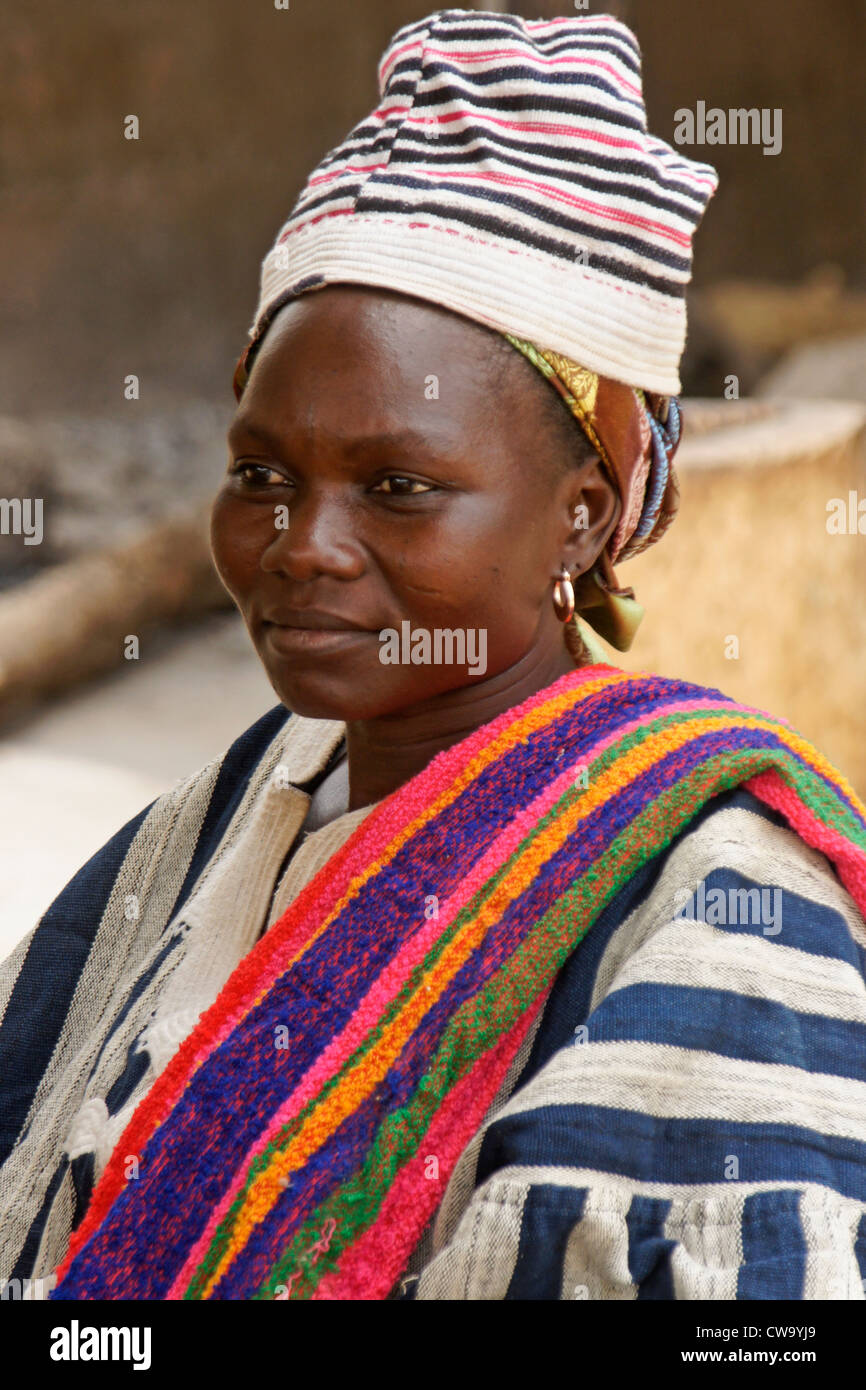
(316, 704)
(350, 695)
(329, 694)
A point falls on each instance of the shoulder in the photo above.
(195, 810)
(222, 785)
(737, 888)
(690, 1122)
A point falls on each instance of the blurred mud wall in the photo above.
(142, 256)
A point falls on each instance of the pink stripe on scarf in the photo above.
(772, 789)
(555, 194)
(553, 127)
(574, 59)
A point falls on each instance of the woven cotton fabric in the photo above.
(507, 173)
(308, 1179)
(691, 1123)
(575, 1185)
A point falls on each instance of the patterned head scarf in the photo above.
(635, 433)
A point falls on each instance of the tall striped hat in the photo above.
(507, 174)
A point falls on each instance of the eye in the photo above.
(257, 475)
(413, 485)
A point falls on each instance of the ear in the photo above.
(592, 501)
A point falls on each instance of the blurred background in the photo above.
(139, 259)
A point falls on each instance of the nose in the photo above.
(315, 536)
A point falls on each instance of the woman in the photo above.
(489, 971)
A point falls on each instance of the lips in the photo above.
(313, 620)
(297, 632)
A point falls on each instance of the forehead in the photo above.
(359, 352)
(391, 324)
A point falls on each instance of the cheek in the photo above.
(477, 556)
(239, 534)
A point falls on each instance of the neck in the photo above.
(386, 752)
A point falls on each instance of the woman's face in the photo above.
(385, 468)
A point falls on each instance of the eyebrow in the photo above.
(241, 428)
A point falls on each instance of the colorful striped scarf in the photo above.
(402, 981)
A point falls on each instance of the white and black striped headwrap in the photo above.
(507, 174)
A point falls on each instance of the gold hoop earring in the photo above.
(563, 596)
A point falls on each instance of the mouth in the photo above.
(294, 632)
